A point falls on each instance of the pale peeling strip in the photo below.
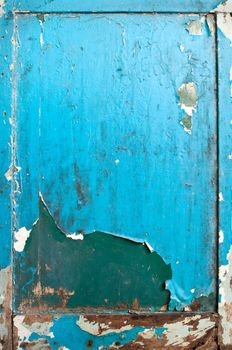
(99, 329)
(21, 237)
(225, 304)
(224, 22)
(25, 330)
(4, 280)
(2, 4)
(179, 333)
(226, 6)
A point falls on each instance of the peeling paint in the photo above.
(21, 237)
(211, 24)
(221, 236)
(4, 280)
(195, 27)
(75, 236)
(178, 333)
(187, 95)
(224, 22)
(2, 4)
(220, 197)
(25, 330)
(226, 6)
(95, 259)
(5, 306)
(99, 329)
(11, 171)
(186, 122)
(225, 303)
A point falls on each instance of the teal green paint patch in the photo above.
(102, 270)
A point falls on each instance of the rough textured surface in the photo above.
(105, 332)
(103, 141)
(195, 66)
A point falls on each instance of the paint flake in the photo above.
(21, 237)
(224, 21)
(225, 304)
(99, 329)
(221, 199)
(180, 333)
(187, 95)
(221, 236)
(25, 330)
(13, 169)
(194, 27)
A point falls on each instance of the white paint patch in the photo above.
(11, 171)
(2, 4)
(224, 22)
(117, 161)
(220, 197)
(179, 333)
(193, 290)
(225, 305)
(99, 329)
(226, 6)
(21, 237)
(75, 236)
(181, 46)
(221, 236)
(25, 330)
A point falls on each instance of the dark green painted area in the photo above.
(102, 270)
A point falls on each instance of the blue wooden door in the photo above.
(115, 184)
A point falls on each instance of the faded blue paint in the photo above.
(118, 5)
(103, 142)
(225, 143)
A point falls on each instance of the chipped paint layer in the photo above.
(224, 23)
(195, 27)
(127, 332)
(38, 326)
(178, 333)
(93, 264)
(225, 303)
(99, 329)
